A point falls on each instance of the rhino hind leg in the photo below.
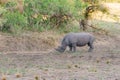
(91, 47)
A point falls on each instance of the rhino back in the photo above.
(83, 38)
(79, 38)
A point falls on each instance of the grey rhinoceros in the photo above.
(76, 39)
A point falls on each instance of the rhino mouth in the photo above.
(60, 49)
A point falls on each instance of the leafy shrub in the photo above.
(2, 20)
(49, 14)
(15, 22)
(40, 15)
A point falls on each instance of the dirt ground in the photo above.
(17, 64)
(31, 56)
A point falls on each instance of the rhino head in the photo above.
(60, 49)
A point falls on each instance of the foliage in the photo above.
(40, 15)
(47, 14)
(15, 21)
(2, 20)
(92, 1)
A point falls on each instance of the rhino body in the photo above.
(72, 40)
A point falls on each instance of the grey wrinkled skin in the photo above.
(72, 40)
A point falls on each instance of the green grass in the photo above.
(4, 70)
(112, 27)
(112, 1)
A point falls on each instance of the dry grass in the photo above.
(102, 64)
(3, 77)
(18, 75)
(113, 10)
(4, 1)
(32, 41)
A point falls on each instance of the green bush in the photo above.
(40, 15)
(49, 14)
(15, 22)
(2, 19)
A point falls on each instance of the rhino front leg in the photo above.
(74, 47)
(70, 48)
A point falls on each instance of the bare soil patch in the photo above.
(31, 56)
(33, 59)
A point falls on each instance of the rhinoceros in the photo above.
(72, 40)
